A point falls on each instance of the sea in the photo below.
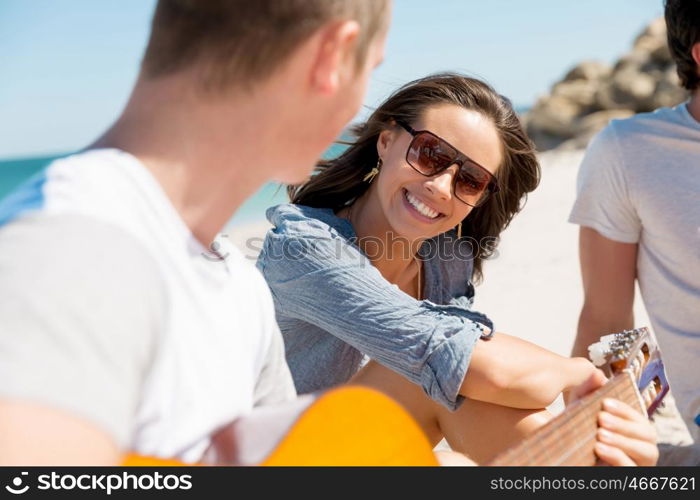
(14, 172)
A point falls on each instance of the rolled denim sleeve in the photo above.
(326, 281)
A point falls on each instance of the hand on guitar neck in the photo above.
(625, 437)
(605, 421)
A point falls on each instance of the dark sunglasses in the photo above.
(429, 155)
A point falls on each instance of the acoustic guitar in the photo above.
(632, 362)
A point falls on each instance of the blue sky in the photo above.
(66, 67)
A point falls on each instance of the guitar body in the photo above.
(358, 426)
(348, 426)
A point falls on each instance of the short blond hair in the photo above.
(243, 41)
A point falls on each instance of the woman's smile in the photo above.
(419, 208)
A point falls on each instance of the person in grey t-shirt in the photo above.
(638, 207)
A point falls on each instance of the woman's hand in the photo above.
(594, 379)
(625, 436)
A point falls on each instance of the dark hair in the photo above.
(683, 31)
(339, 181)
(241, 41)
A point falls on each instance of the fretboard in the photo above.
(568, 439)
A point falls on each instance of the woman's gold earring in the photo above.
(459, 230)
(373, 173)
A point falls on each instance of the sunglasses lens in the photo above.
(430, 155)
(472, 183)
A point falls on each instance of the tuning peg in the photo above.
(597, 353)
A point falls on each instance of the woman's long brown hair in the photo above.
(339, 181)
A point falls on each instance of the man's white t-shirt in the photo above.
(640, 183)
(111, 310)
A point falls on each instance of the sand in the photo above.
(532, 288)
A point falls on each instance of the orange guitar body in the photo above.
(350, 426)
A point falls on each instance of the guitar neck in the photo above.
(568, 439)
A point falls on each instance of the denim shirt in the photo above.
(335, 309)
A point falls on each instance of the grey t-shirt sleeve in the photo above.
(81, 304)
(604, 201)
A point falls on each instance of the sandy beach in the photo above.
(532, 286)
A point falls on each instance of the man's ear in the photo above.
(695, 52)
(336, 46)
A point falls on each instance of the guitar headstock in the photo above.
(634, 351)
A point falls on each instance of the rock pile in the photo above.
(593, 93)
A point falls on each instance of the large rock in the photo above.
(580, 92)
(593, 93)
(627, 89)
(589, 71)
(662, 55)
(589, 125)
(554, 115)
(655, 29)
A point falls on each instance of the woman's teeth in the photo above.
(422, 208)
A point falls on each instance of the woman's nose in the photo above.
(441, 184)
